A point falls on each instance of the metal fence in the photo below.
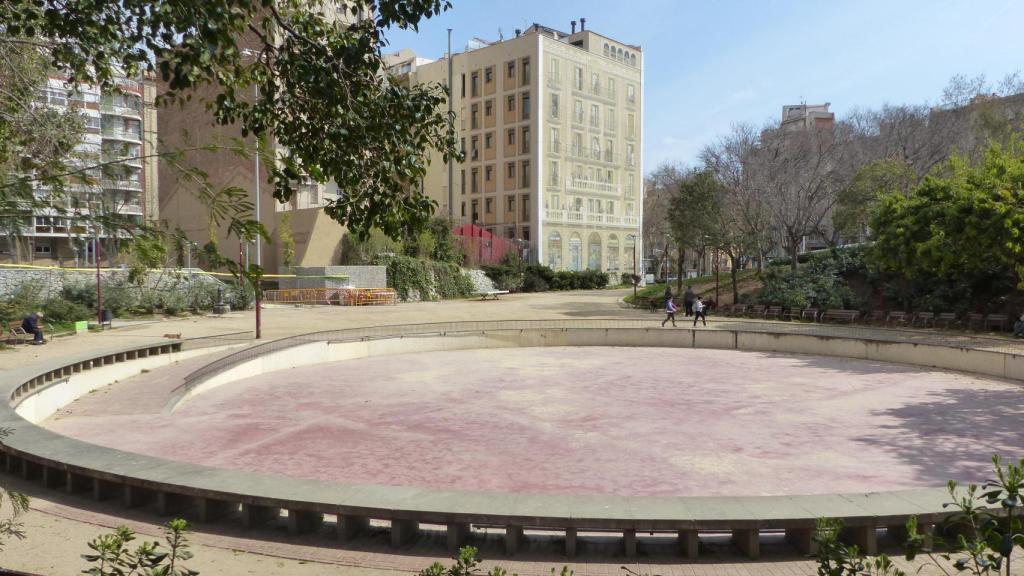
(949, 339)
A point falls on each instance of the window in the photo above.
(489, 206)
(630, 93)
(510, 103)
(462, 145)
(474, 112)
(489, 140)
(462, 178)
(630, 125)
(577, 111)
(511, 136)
(595, 148)
(577, 144)
(488, 173)
(511, 170)
(510, 204)
(463, 85)
(525, 203)
(609, 155)
(526, 70)
(619, 55)
(553, 69)
(476, 210)
(510, 70)
(42, 249)
(553, 173)
(629, 184)
(474, 147)
(489, 74)
(92, 122)
(475, 182)
(555, 144)
(577, 78)
(554, 105)
(595, 116)
(526, 140)
(595, 83)
(489, 108)
(526, 174)
(526, 233)
(474, 84)
(630, 158)
(609, 124)
(606, 50)
(463, 209)
(526, 106)
(632, 60)
(611, 87)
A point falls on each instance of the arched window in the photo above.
(619, 55)
(594, 251)
(555, 250)
(632, 59)
(575, 252)
(629, 250)
(613, 257)
(607, 49)
(625, 57)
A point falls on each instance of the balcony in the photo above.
(114, 134)
(583, 217)
(591, 186)
(555, 147)
(121, 184)
(129, 160)
(120, 110)
(554, 81)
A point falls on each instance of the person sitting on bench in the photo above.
(31, 326)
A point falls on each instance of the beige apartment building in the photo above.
(551, 126)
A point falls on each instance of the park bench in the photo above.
(492, 294)
(840, 316)
(773, 312)
(739, 309)
(809, 314)
(997, 321)
(18, 334)
(923, 319)
(896, 317)
(945, 319)
(974, 321)
(876, 317)
(790, 314)
(756, 311)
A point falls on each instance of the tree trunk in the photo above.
(679, 270)
(794, 252)
(735, 281)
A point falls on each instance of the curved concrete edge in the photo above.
(61, 461)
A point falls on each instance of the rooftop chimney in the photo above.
(573, 26)
(518, 32)
(583, 24)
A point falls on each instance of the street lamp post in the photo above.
(259, 249)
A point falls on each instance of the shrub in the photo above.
(60, 310)
(426, 279)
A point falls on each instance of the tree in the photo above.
(796, 173)
(17, 504)
(661, 185)
(324, 95)
(692, 214)
(857, 201)
(958, 224)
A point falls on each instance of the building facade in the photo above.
(807, 116)
(551, 125)
(117, 147)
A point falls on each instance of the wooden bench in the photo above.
(997, 321)
(492, 294)
(809, 314)
(18, 334)
(974, 321)
(837, 315)
(945, 319)
(773, 312)
(877, 317)
(923, 319)
(756, 311)
(896, 317)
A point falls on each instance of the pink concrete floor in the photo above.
(637, 421)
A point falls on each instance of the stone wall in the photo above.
(49, 281)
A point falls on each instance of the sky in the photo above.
(713, 63)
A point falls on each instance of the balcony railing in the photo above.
(130, 160)
(121, 184)
(120, 110)
(585, 217)
(122, 135)
(583, 185)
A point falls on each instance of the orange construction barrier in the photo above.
(332, 296)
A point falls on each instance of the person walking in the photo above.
(31, 326)
(670, 311)
(699, 312)
(668, 293)
(688, 300)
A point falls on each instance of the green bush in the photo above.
(427, 279)
(820, 283)
(61, 310)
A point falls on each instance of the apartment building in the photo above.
(120, 134)
(805, 116)
(551, 124)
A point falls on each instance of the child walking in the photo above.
(699, 311)
(670, 310)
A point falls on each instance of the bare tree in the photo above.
(657, 229)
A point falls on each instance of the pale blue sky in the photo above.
(710, 64)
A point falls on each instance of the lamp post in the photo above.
(259, 239)
(99, 283)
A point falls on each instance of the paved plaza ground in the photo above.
(910, 415)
